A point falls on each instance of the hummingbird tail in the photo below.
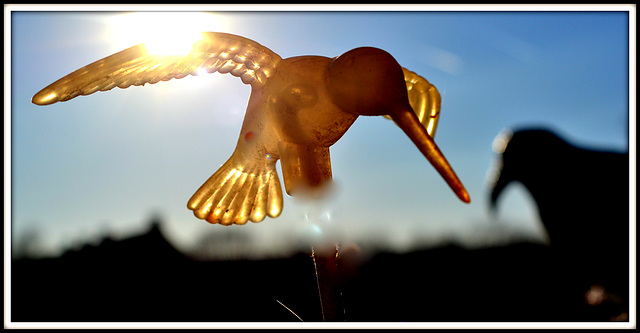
(239, 192)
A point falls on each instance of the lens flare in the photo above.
(164, 33)
(174, 44)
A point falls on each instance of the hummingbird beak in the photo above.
(407, 120)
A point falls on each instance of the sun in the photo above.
(164, 33)
(167, 34)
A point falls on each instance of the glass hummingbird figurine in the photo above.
(297, 109)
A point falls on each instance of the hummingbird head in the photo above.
(368, 81)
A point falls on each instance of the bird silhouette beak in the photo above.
(498, 183)
(407, 120)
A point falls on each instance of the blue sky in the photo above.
(109, 161)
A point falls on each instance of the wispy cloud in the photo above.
(441, 59)
(513, 46)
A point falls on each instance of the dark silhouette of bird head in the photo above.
(522, 156)
(582, 193)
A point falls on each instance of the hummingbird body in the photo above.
(297, 109)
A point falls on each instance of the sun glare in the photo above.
(164, 33)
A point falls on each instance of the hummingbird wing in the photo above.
(424, 99)
(243, 189)
(214, 52)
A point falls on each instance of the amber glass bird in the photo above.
(297, 109)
